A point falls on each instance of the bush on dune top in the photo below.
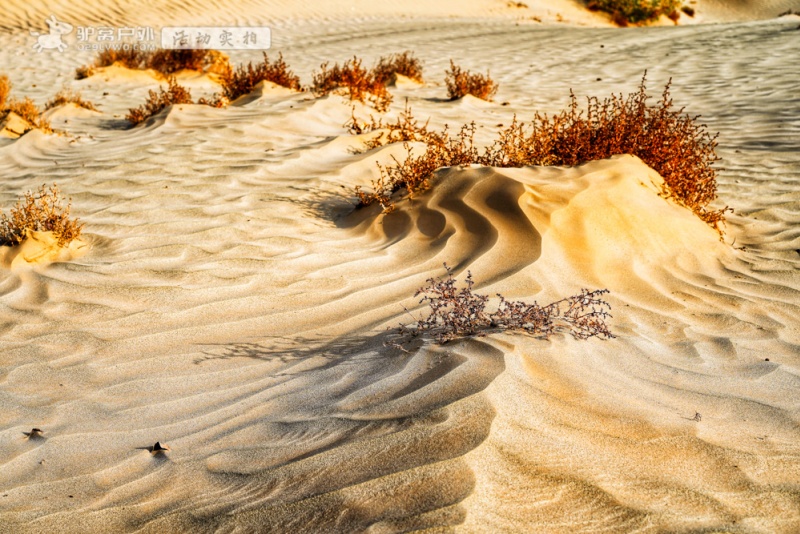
(673, 143)
(164, 61)
(624, 12)
(157, 101)
(243, 79)
(359, 83)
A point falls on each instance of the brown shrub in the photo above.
(461, 83)
(360, 83)
(406, 128)
(157, 101)
(42, 212)
(5, 89)
(455, 313)
(241, 81)
(164, 61)
(625, 12)
(30, 112)
(66, 96)
(673, 143)
(405, 64)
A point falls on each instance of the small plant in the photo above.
(5, 89)
(406, 128)
(25, 108)
(625, 12)
(66, 96)
(405, 64)
(243, 80)
(461, 83)
(359, 83)
(43, 211)
(459, 312)
(157, 101)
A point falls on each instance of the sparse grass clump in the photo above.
(43, 211)
(243, 79)
(157, 101)
(405, 64)
(459, 312)
(66, 96)
(461, 83)
(355, 80)
(625, 12)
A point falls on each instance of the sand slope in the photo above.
(235, 307)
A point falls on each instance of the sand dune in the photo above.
(234, 307)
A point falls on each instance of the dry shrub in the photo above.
(66, 96)
(406, 128)
(625, 12)
(30, 112)
(670, 141)
(361, 84)
(164, 61)
(461, 83)
(5, 89)
(458, 312)
(405, 64)
(43, 211)
(414, 173)
(157, 101)
(241, 81)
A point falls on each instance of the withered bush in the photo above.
(243, 79)
(406, 128)
(25, 108)
(625, 12)
(413, 174)
(43, 211)
(358, 82)
(405, 64)
(67, 96)
(459, 312)
(5, 89)
(164, 61)
(157, 101)
(675, 144)
(461, 83)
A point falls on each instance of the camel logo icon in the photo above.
(53, 39)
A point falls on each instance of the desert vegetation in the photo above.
(164, 61)
(353, 79)
(42, 211)
(25, 108)
(455, 312)
(675, 144)
(388, 67)
(626, 12)
(243, 79)
(67, 96)
(461, 83)
(157, 101)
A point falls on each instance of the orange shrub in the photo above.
(405, 64)
(241, 81)
(41, 212)
(461, 83)
(157, 101)
(359, 83)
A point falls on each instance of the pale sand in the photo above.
(233, 308)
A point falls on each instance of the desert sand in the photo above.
(233, 306)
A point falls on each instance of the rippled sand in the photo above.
(235, 307)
